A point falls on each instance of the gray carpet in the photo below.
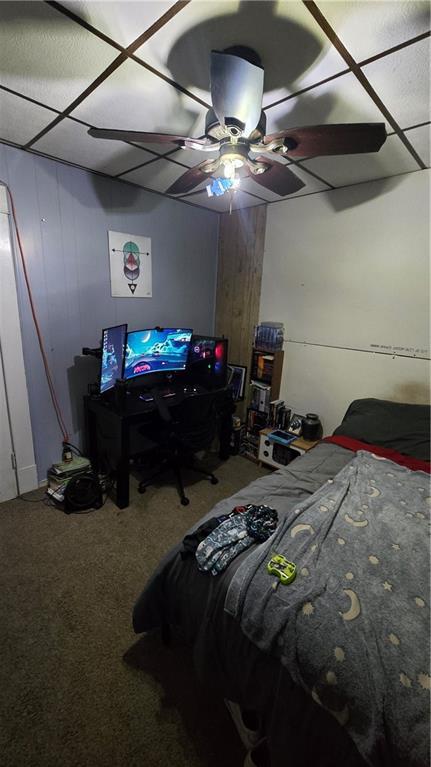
(68, 584)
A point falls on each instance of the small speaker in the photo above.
(207, 363)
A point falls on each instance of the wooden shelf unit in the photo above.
(266, 368)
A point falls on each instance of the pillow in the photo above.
(405, 428)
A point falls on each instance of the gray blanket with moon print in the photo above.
(353, 628)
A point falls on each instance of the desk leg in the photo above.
(122, 473)
(225, 430)
(90, 447)
(122, 468)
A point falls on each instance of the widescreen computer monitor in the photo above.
(113, 346)
(156, 350)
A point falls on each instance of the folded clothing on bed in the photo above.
(192, 540)
(237, 533)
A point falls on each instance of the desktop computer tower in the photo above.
(207, 362)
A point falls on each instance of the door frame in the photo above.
(15, 381)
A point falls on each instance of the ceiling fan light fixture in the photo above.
(230, 165)
(228, 169)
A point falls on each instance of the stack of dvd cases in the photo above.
(269, 336)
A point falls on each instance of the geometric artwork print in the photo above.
(130, 265)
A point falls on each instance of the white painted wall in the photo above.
(347, 271)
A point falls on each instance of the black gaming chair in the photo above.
(186, 429)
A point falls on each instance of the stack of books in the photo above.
(250, 445)
(70, 468)
(262, 367)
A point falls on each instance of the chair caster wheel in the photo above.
(185, 501)
(214, 481)
(141, 489)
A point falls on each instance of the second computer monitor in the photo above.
(156, 350)
(111, 364)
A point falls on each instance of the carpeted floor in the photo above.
(68, 584)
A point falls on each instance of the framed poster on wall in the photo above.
(236, 380)
(130, 265)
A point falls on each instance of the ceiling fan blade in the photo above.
(236, 90)
(318, 140)
(192, 178)
(278, 178)
(147, 138)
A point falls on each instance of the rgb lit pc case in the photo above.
(207, 362)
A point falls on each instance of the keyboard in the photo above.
(172, 394)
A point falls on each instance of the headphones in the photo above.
(82, 492)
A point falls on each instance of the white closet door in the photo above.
(17, 465)
(8, 483)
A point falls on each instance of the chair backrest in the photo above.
(194, 421)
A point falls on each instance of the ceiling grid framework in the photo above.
(66, 67)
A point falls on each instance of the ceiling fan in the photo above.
(235, 130)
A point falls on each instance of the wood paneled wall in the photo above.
(239, 278)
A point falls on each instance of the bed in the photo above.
(335, 664)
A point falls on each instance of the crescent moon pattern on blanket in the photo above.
(355, 606)
(354, 522)
(375, 492)
(299, 528)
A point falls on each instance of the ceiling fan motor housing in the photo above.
(213, 128)
(236, 90)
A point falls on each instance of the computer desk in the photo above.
(115, 431)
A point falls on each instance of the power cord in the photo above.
(33, 500)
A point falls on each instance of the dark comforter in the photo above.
(299, 730)
(180, 595)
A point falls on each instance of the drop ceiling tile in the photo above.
(197, 130)
(46, 56)
(20, 119)
(402, 80)
(372, 26)
(290, 43)
(70, 141)
(420, 138)
(158, 175)
(222, 204)
(121, 21)
(311, 185)
(392, 159)
(342, 100)
(133, 98)
(192, 157)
